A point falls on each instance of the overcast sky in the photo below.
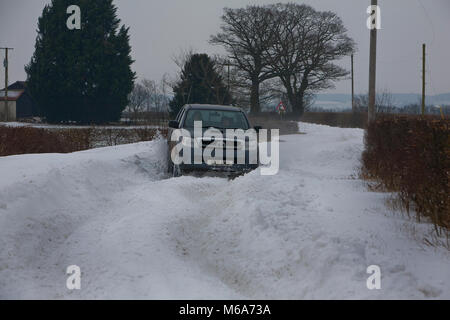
(162, 28)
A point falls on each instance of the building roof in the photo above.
(18, 85)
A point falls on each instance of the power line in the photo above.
(429, 19)
(411, 56)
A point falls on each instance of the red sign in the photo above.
(281, 106)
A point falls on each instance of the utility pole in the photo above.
(353, 88)
(6, 81)
(228, 64)
(373, 66)
(423, 78)
(228, 76)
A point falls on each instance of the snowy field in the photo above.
(309, 232)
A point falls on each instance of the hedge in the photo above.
(411, 156)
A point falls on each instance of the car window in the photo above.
(216, 118)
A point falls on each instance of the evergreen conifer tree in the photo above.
(199, 83)
(81, 75)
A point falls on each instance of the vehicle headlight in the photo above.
(253, 144)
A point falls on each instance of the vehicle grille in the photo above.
(235, 146)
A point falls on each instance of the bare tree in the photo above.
(246, 34)
(307, 42)
(164, 92)
(149, 100)
(156, 96)
(384, 102)
(150, 90)
(137, 100)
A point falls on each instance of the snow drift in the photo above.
(309, 232)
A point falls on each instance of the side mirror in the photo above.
(257, 128)
(173, 124)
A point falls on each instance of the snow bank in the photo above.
(309, 232)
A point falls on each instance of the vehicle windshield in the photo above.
(220, 119)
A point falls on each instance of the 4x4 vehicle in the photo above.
(219, 118)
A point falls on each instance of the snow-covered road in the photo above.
(309, 232)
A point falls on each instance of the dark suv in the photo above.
(236, 157)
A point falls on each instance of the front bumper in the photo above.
(235, 169)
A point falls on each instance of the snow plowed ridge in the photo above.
(309, 232)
